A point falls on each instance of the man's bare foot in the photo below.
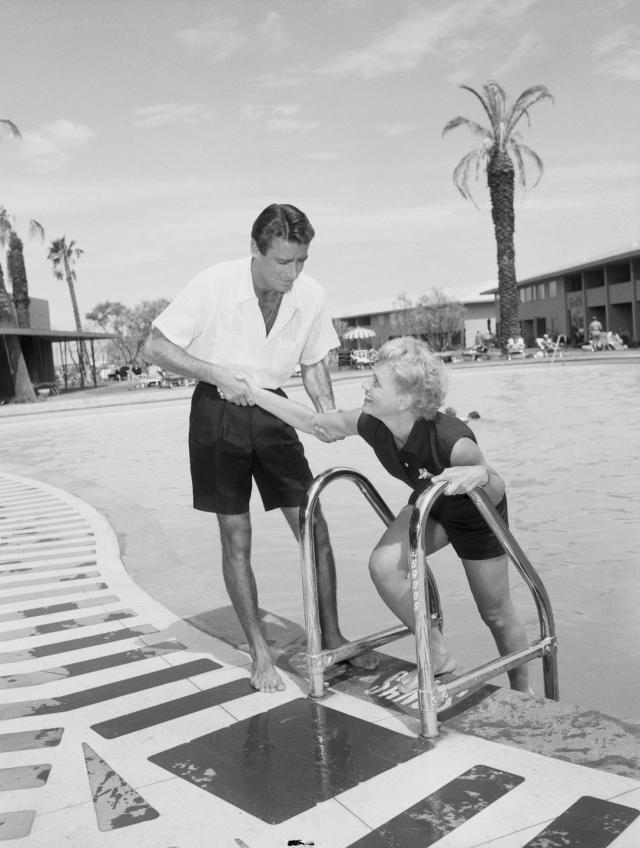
(265, 678)
(410, 680)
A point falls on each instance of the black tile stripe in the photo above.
(69, 624)
(141, 719)
(17, 584)
(76, 644)
(107, 691)
(589, 823)
(34, 612)
(32, 569)
(26, 740)
(35, 678)
(31, 596)
(55, 536)
(426, 822)
(24, 777)
(49, 554)
(16, 825)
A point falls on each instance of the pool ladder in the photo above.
(433, 696)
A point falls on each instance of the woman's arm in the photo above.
(337, 424)
(469, 470)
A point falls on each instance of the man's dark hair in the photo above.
(281, 220)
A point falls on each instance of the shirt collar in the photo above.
(245, 290)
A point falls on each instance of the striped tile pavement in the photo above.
(113, 732)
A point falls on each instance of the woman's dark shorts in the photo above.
(467, 530)
(229, 445)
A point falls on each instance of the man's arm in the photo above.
(317, 383)
(173, 358)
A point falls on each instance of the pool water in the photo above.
(564, 437)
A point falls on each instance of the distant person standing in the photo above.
(258, 316)
(595, 331)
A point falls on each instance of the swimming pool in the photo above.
(563, 436)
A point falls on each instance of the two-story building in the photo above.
(564, 301)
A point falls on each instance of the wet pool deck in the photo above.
(122, 723)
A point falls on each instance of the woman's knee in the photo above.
(382, 565)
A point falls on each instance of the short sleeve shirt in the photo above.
(427, 451)
(217, 318)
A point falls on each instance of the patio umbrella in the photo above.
(359, 333)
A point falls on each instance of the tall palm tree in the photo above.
(63, 257)
(502, 155)
(17, 271)
(23, 390)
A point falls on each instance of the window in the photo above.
(540, 288)
(553, 288)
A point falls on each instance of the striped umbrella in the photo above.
(359, 333)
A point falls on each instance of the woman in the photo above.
(420, 445)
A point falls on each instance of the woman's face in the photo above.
(382, 397)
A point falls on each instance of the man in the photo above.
(595, 329)
(260, 316)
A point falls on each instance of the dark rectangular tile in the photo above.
(26, 740)
(297, 752)
(67, 624)
(428, 821)
(54, 567)
(16, 825)
(48, 675)
(16, 584)
(69, 590)
(589, 823)
(75, 700)
(76, 644)
(67, 606)
(140, 719)
(24, 777)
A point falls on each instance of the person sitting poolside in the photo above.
(515, 347)
(420, 445)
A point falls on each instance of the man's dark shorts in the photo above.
(467, 530)
(229, 445)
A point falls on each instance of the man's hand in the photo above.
(238, 389)
(322, 428)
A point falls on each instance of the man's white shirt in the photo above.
(216, 318)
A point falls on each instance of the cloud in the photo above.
(49, 147)
(322, 156)
(527, 46)
(167, 114)
(395, 129)
(423, 32)
(216, 41)
(281, 118)
(271, 32)
(617, 54)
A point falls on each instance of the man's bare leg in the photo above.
(235, 535)
(327, 594)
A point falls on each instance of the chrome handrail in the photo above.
(318, 660)
(433, 696)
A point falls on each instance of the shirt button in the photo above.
(406, 465)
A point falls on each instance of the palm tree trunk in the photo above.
(76, 316)
(17, 274)
(500, 176)
(23, 391)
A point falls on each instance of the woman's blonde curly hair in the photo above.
(418, 372)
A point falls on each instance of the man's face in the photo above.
(280, 266)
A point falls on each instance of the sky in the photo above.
(155, 131)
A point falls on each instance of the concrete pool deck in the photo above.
(128, 719)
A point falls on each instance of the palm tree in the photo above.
(63, 256)
(17, 272)
(23, 390)
(9, 126)
(501, 154)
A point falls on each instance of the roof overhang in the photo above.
(55, 335)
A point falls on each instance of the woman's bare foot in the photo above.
(265, 678)
(367, 662)
(410, 680)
